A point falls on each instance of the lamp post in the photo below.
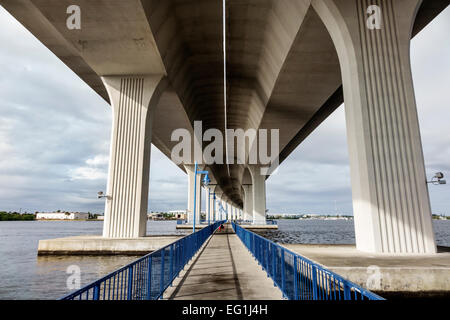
(206, 182)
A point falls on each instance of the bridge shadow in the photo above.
(441, 249)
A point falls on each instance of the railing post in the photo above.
(314, 281)
(171, 264)
(97, 292)
(149, 279)
(347, 293)
(295, 278)
(283, 277)
(274, 270)
(130, 283)
(161, 284)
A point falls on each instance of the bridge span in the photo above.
(260, 65)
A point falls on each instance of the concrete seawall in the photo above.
(406, 273)
(97, 245)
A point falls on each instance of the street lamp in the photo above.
(100, 195)
(438, 179)
(206, 182)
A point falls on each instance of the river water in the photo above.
(24, 275)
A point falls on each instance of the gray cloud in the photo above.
(55, 131)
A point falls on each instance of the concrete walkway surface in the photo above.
(223, 270)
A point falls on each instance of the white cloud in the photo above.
(88, 173)
(100, 160)
(95, 169)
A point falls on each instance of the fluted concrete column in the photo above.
(217, 204)
(209, 204)
(190, 169)
(212, 205)
(133, 100)
(259, 194)
(390, 196)
(248, 202)
(227, 210)
(225, 207)
(222, 209)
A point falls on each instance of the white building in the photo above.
(62, 216)
(179, 214)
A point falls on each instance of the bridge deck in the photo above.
(223, 270)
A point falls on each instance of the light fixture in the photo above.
(206, 180)
(100, 195)
(438, 179)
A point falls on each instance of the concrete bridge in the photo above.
(247, 64)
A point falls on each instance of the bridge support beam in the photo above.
(390, 195)
(259, 195)
(133, 100)
(190, 169)
(248, 202)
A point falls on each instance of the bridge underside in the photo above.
(289, 64)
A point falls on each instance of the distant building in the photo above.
(179, 214)
(155, 216)
(101, 218)
(62, 216)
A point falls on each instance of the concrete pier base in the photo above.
(97, 245)
(405, 273)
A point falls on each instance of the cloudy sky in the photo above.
(55, 135)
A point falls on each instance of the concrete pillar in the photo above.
(133, 100)
(220, 209)
(259, 195)
(190, 169)
(217, 205)
(212, 205)
(390, 196)
(248, 202)
(224, 210)
(209, 203)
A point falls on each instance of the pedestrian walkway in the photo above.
(223, 270)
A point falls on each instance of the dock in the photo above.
(223, 270)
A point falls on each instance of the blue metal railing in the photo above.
(297, 277)
(148, 277)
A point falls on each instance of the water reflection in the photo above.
(52, 271)
(24, 275)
